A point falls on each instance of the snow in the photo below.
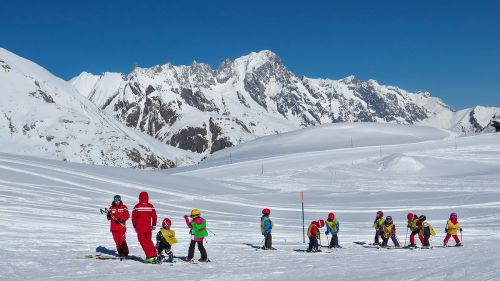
(44, 116)
(49, 209)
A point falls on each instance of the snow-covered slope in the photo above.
(42, 115)
(204, 110)
(49, 215)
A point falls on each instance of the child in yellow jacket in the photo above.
(452, 226)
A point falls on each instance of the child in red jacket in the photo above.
(313, 233)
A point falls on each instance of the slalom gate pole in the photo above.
(303, 220)
(406, 236)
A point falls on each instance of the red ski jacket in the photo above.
(118, 212)
(144, 214)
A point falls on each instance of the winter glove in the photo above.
(326, 232)
(460, 229)
(108, 215)
(153, 227)
(118, 221)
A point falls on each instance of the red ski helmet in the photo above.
(166, 223)
(266, 211)
(453, 215)
(380, 214)
(315, 223)
(321, 223)
(331, 216)
(410, 216)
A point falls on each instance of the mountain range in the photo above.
(202, 109)
(166, 115)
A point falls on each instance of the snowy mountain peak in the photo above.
(45, 116)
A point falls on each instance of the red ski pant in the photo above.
(120, 241)
(420, 237)
(147, 244)
(448, 236)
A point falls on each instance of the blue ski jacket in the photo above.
(266, 225)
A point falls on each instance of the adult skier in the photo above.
(332, 227)
(165, 238)
(144, 221)
(198, 226)
(378, 224)
(118, 215)
(266, 227)
(390, 232)
(452, 226)
(412, 225)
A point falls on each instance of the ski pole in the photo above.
(406, 236)
(106, 211)
(328, 240)
(461, 238)
(211, 232)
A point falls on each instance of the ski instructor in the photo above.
(117, 216)
(144, 221)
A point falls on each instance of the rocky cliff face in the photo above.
(203, 110)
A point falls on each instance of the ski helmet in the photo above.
(266, 211)
(315, 223)
(166, 223)
(380, 214)
(453, 215)
(388, 219)
(321, 223)
(117, 198)
(195, 213)
(331, 216)
(410, 216)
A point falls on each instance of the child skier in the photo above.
(198, 226)
(412, 225)
(332, 226)
(389, 232)
(165, 238)
(118, 215)
(378, 224)
(452, 226)
(314, 235)
(266, 226)
(426, 230)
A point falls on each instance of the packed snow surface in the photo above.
(49, 217)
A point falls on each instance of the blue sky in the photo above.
(450, 48)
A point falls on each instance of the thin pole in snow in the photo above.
(303, 220)
(262, 168)
(230, 158)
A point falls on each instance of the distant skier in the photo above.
(266, 227)
(314, 235)
(165, 238)
(144, 221)
(412, 225)
(198, 226)
(452, 226)
(332, 226)
(426, 230)
(390, 232)
(378, 224)
(118, 215)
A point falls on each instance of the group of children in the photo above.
(313, 232)
(385, 229)
(418, 225)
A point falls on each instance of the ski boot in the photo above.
(151, 260)
(459, 244)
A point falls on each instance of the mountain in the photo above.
(203, 110)
(44, 116)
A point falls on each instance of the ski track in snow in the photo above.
(49, 213)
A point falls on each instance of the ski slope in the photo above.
(49, 217)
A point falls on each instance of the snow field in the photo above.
(49, 214)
